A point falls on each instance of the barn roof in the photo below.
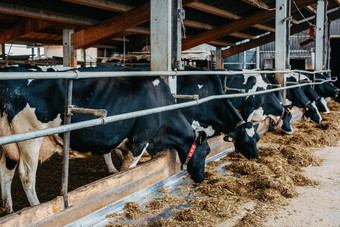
(35, 22)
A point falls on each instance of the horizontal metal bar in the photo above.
(234, 89)
(195, 97)
(86, 75)
(310, 72)
(95, 122)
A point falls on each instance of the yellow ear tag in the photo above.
(307, 108)
(200, 139)
(336, 96)
(230, 139)
(288, 109)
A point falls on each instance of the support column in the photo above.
(257, 57)
(219, 58)
(2, 51)
(282, 18)
(162, 13)
(69, 54)
(320, 35)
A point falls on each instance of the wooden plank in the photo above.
(110, 27)
(46, 15)
(27, 26)
(257, 3)
(204, 26)
(260, 41)
(223, 13)
(103, 4)
(235, 26)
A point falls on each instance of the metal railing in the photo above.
(70, 75)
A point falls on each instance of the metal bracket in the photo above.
(181, 14)
(289, 18)
(72, 109)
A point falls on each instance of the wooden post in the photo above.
(282, 41)
(2, 51)
(69, 53)
(219, 58)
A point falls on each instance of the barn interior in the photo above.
(120, 32)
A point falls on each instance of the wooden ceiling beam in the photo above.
(223, 13)
(235, 26)
(103, 4)
(30, 41)
(27, 26)
(107, 29)
(260, 41)
(46, 15)
(311, 9)
(104, 31)
(204, 26)
(220, 43)
(257, 3)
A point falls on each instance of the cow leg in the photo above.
(7, 170)
(136, 160)
(28, 165)
(109, 164)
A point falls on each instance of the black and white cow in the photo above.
(320, 102)
(296, 97)
(258, 107)
(30, 105)
(327, 89)
(217, 115)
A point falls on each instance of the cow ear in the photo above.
(230, 137)
(201, 137)
(256, 126)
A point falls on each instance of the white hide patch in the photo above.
(317, 111)
(260, 83)
(288, 102)
(199, 86)
(25, 121)
(323, 101)
(155, 82)
(250, 131)
(257, 115)
(29, 81)
(209, 130)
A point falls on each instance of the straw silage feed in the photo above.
(234, 181)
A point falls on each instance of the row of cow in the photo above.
(30, 105)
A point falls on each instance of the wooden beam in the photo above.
(204, 26)
(235, 26)
(311, 9)
(27, 26)
(32, 41)
(223, 13)
(107, 29)
(257, 3)
(46, 15)
(112, 26)
(260, 41)
(103, 4)
(221, 43)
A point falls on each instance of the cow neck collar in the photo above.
(190, 154)
(281, 117)
(304, 109)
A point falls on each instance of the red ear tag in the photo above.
(234, 141)
(279, 121)
(303, 112)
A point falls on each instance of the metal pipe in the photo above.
(195, 97)
(95, 122)
(86, 75)
(66, 144)
(94, 112)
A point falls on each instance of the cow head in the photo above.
(245, 138)
(337, 96)
(322, 105)
(196, 164)
(312, 112)
(286, 119)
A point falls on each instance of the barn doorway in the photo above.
(298, 64)
(335, 59)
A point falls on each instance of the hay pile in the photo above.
(267, 181)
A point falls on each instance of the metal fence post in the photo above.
(66, 146)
